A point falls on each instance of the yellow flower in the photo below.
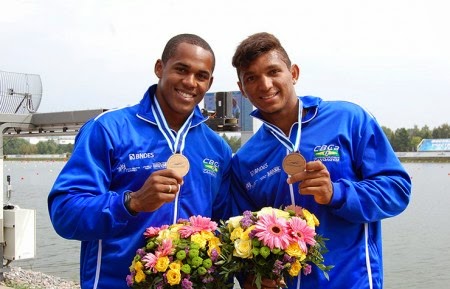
(233, 222)
(199, 239)
(138, 266)
(169, 233)
(236, 234)
(173, 277)
(242, 248)
(207, 235)
(269, 211)
(175, 265)
(294, 250)
(140, 276)
(295, 268)
(214, 243)
(245, 234)
(162, 263)
(310, 219)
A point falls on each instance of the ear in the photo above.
(295, 72)
(159, 68)
(240, 88)
(210, 82)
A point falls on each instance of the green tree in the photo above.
(442, 131)
(425, 132)
(17, 146)
(233, 141)
(389, 133)
(47, 147)
(401, 140)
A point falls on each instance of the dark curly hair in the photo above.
(254, 46)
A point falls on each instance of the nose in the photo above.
(189, 80)
(265, 83)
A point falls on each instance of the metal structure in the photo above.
(20, 93)
(20, 97)
(21, 125)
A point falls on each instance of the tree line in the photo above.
(407, 140)
(21, 146)
(402, 140)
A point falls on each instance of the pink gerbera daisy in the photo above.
(166, 248)
(198, 224)
(150, 261)
(302, 233)
(272, 231)
(154, 231)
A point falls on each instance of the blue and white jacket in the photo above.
(115, 153)
(369, 185)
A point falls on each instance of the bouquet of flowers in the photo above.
(272, 243)
(179, 256)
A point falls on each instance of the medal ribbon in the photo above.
(174, 140)
(284, 140)
(278, 133)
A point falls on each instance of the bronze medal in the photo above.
(178, 163)
(294, 163)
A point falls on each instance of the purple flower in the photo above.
(288, 259)
(247, 221)
(129, 280)
(277, 267)
(214, 255)
(141, 252)
(307, 269)
(207, 279)
(186, 284)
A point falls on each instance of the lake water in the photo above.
(416, 243)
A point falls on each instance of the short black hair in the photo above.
(172, 44)
(254, 46)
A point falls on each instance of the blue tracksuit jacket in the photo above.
(369, 185)
(114, 153)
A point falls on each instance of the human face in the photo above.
(183, 81)
(269, 85)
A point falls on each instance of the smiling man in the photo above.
(141, 166)
(330, 157)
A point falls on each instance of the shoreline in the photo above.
(16, 277)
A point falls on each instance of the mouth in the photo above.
(270, 96)
(187, 95)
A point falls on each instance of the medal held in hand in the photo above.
(294, 163)
(178, 163)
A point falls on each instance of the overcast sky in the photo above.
(390, 56)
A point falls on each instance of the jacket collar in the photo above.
(311, 103)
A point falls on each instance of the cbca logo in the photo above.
(327, 153)
(210, 166)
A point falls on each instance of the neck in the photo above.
(285, 120)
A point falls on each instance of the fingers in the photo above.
(315, 181)
(160, 187)
(313, 170)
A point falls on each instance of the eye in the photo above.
(274, 71)
(203, 76)
(249, 79)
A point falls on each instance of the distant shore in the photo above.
(424, 157)
(409, 157)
